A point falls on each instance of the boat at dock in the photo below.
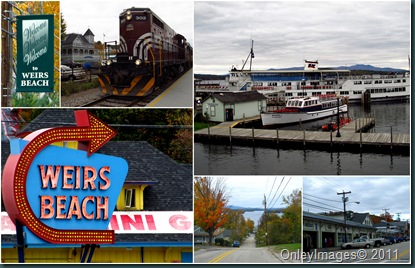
(333, 125)
(282, 84)
(303, 109)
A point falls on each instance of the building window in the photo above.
(212, 110)
(129, 198)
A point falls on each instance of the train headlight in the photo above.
(137, 62)
(129, 15)
(109, 62)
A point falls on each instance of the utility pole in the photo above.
(6, 55)
(266, 223)
(386, 213)
(344, 199)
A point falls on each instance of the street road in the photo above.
(246, 253)
(396, 253)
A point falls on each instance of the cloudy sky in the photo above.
(102, 16)
(336, 33)
(248, 191)
(373, 193)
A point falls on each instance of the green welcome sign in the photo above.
(35, 65)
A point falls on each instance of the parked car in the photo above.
(71, 64)
(358, 243)
(387, 241)
(392, 239)
(380, 241)
(71, 74)
(235, 244)
(399, 239)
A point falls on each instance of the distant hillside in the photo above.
(210, 77)
(357, 67)
(254, 209)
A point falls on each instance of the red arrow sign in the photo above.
(91, 131)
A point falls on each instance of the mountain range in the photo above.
(254, 209)
(357, 67)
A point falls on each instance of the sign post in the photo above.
(35, 53)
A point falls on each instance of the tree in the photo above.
(236, 223)
(33, 99)
(63, 28)
(169, 130)
(282, 229)
(250, 225)
(293, 215)
(211, 197)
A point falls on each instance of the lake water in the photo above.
(239, 160)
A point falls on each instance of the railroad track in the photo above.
(131, 101)
(116, 101)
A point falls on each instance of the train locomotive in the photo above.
(149, 53)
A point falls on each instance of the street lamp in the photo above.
(338, 114)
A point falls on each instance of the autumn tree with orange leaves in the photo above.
(211, 197)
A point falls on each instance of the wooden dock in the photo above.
(351, 139)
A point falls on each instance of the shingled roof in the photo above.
(173, 183)
(236, 97)
(70, 38)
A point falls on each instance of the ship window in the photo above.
(397, 81)
(129, 198)
(368, 82)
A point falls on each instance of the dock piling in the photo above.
(278, 137)
(304, 138)
(391, 139)
(230, 136)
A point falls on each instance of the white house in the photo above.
(230, 106)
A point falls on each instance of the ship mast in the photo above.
(250, 56)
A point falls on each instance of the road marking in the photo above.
(400, 255)
(220, 257)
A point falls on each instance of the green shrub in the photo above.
(78, 86)
(219, 241)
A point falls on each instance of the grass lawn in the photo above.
(201, 125)
(289, 247)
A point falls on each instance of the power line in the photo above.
(316, 206)
(337, 201)
(272, 187)
(332, 207)
(281, 192)
(277, 190)
(118, 125)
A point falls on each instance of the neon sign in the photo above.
(64, 195)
